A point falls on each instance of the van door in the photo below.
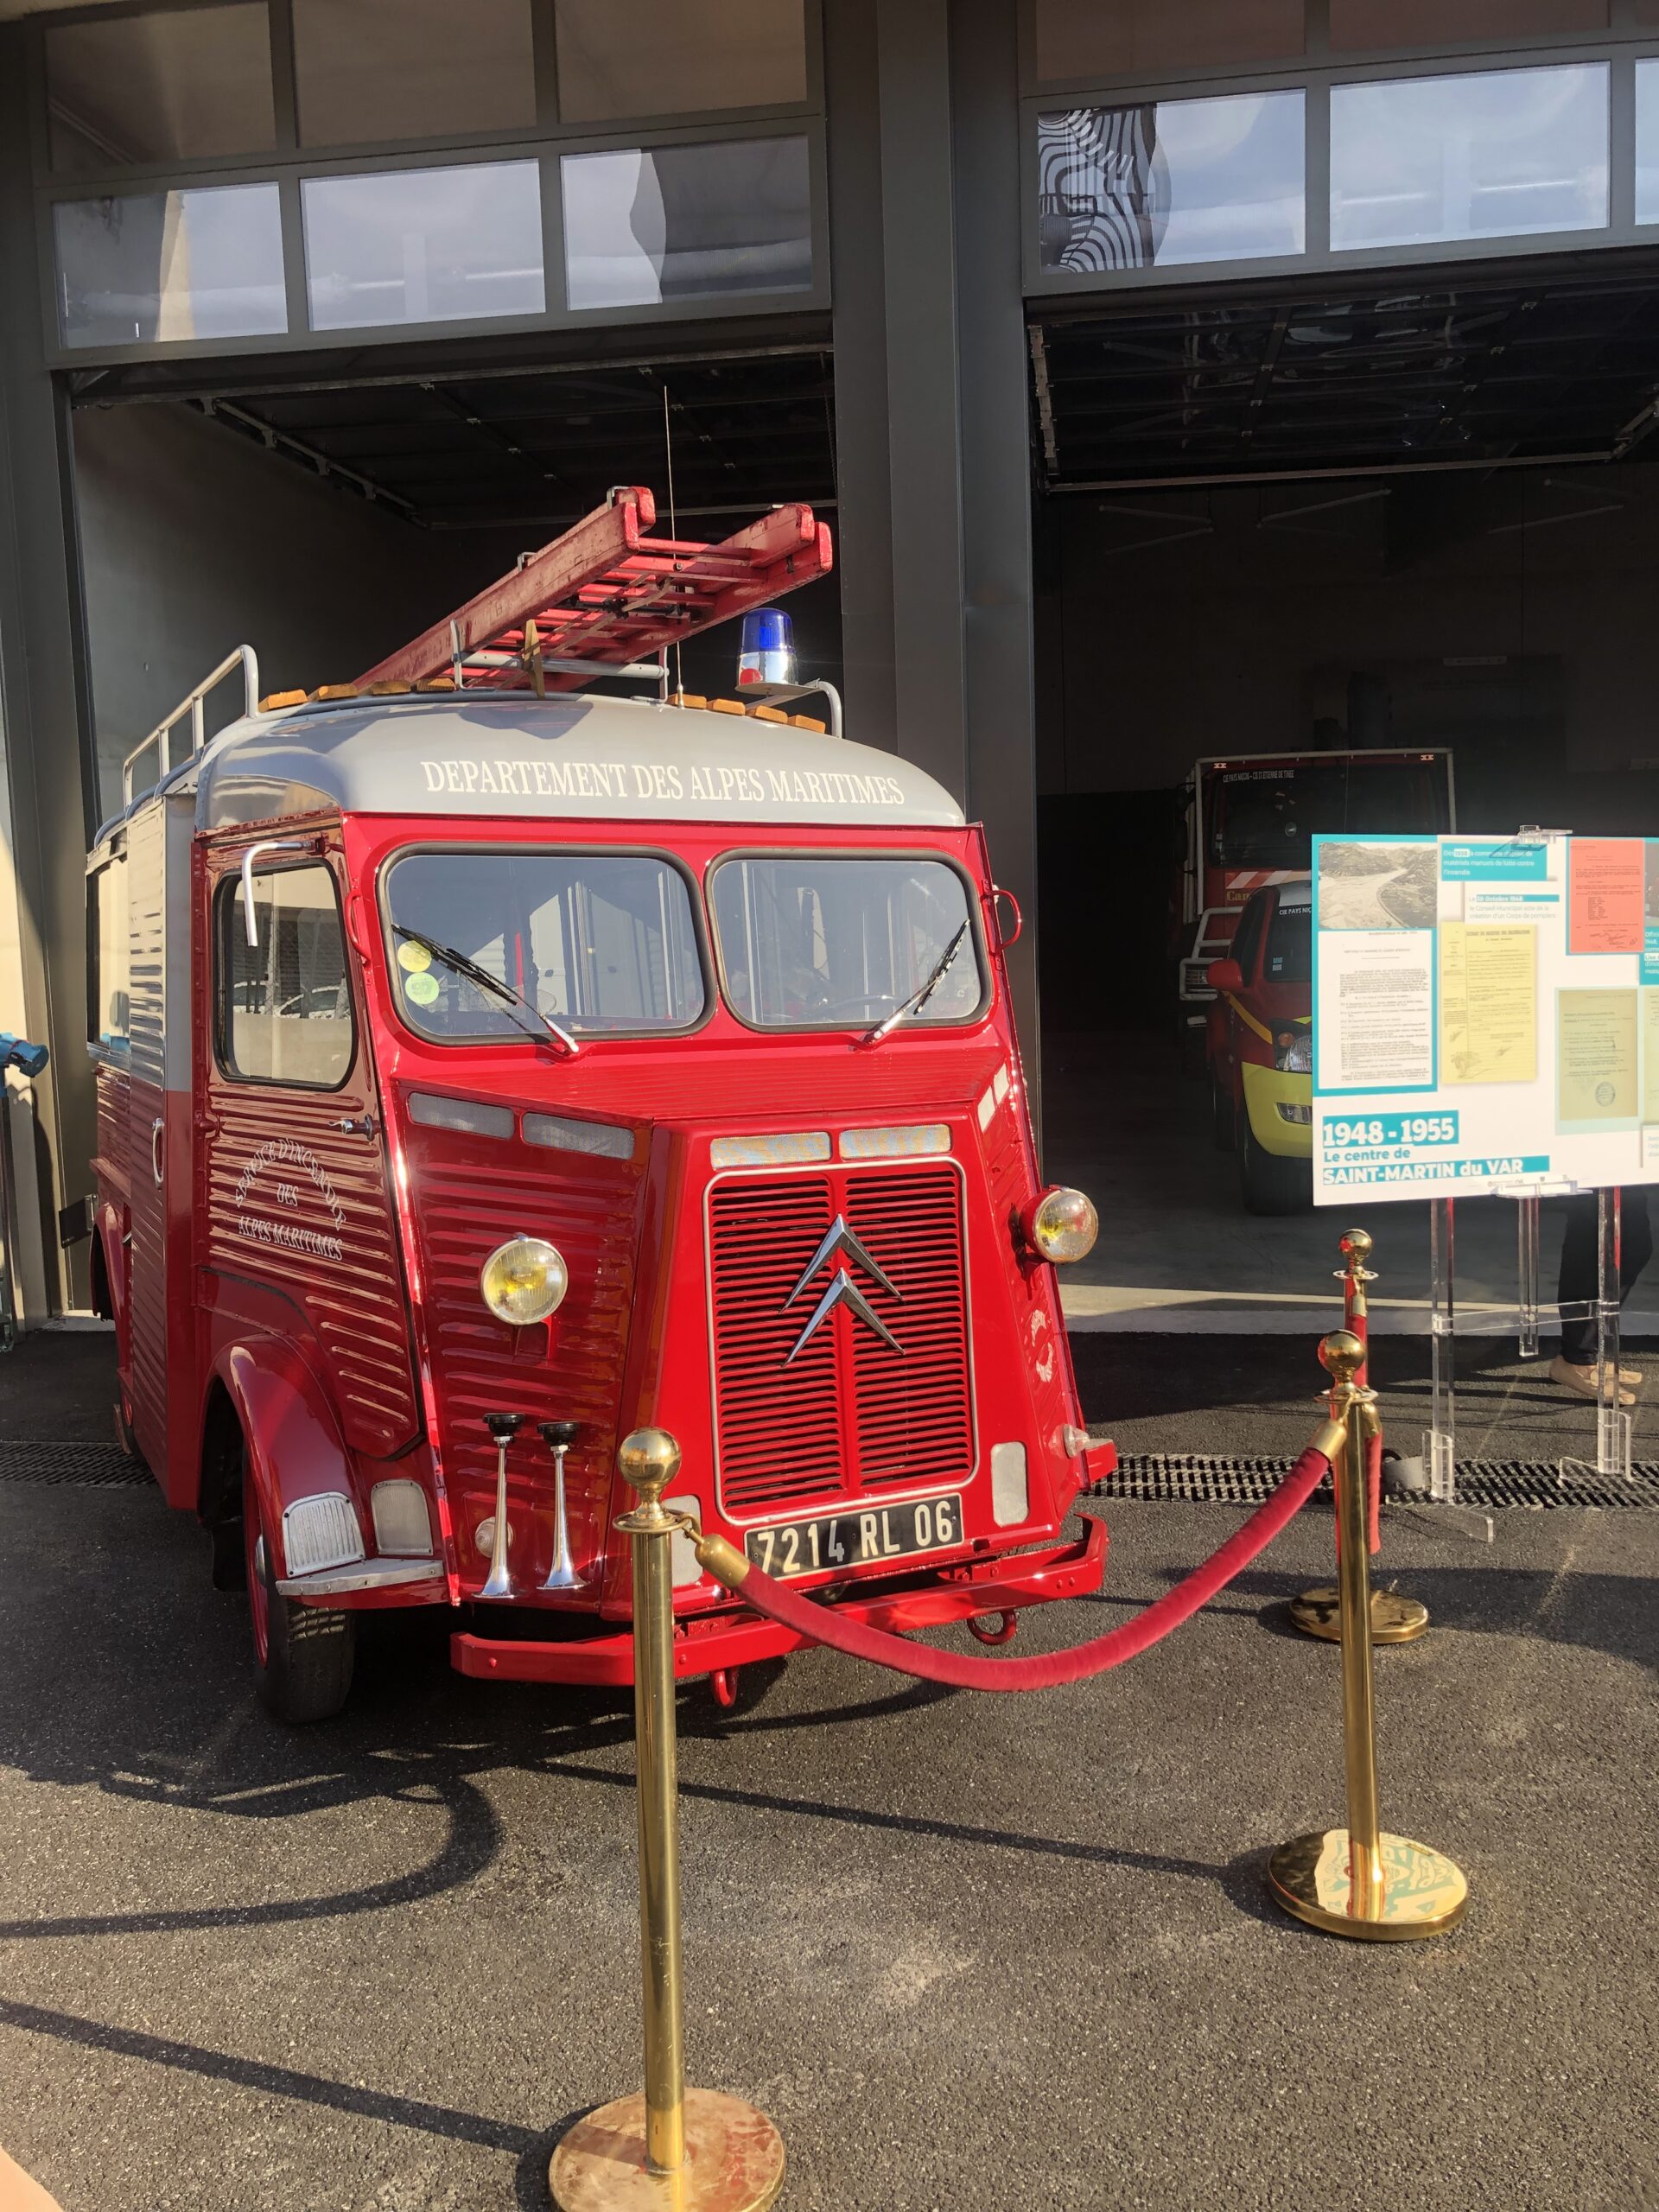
(298, 1221)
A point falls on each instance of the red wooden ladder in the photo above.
(606, 595)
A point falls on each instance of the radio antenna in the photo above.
(673, 527)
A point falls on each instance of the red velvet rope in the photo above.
(821, 1625)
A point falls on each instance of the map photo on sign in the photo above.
(1377, 887)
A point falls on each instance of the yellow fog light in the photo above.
(524, 1280)
(1062, 1225)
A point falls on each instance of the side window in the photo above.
(284, 1005)
(106, 956)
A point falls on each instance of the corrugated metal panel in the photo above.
(343, 1269)
(147, 918)
(914, 1421)
(470, 1195)
(855, 1415)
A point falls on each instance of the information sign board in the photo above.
(1486, 1015)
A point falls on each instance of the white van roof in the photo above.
(565, 756)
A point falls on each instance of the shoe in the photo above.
(1581, 1380)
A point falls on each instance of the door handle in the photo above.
(155, 1129)
(353, 1126)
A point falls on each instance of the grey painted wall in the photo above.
(195, 540)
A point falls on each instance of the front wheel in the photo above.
(1269, 1183)
(302, 1654)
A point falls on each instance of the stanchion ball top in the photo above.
(649, 1459)
(1341, 1355)
(1356, 1244)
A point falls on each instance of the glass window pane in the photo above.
(599, 942)
(820, 941)
(423, 245)
(1505, 152)
(285, 1003)
(1646, 142)
(1359, 23)
(1170, 180)
(160, 88)
(1127, 38)
(161, 265)
(374, 69)
(620, 57)
(671, 222)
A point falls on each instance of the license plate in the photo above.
(880, 1534)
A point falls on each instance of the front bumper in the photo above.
(735, 1639)
(1289, 1135)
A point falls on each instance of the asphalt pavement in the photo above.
(972, 1953)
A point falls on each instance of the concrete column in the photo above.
(46, 793)
(931, 413)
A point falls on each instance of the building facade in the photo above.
(314, 313)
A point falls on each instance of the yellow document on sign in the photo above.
(1595, 1046)
(1489, 1003)
(1651, 1056)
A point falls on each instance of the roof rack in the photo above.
(194, 704)
(593, 602)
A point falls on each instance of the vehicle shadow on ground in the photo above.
(1612, 1614)
(417, 1734)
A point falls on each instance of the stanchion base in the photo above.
(1425, 1891)
(1394, 1618)
(734, 2160)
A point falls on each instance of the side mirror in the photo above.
(1224, 976)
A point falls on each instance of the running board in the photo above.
(361, 1575)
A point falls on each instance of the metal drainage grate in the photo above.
(87, 1466)
(1156, 1477)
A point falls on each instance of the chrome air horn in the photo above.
(503, 1428)
(559, 1436)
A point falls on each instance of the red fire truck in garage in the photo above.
(1251, 821)
(485, 1069)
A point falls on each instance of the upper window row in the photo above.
(1414, 160)
(1083, 38)
(195, 84)
(642, 226)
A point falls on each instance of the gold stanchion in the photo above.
(1394, 1618)
(673, 2149)
(1357, 1881)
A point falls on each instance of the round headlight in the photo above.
(524, 1280)
(1063, 1225)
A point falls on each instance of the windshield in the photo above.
(1288, 957)
(1268, 816)
(603, 944)
(825, 941)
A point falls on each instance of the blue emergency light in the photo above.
(768, 655)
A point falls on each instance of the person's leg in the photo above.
(1576, 1286)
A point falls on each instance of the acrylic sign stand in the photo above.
(1613, 1424)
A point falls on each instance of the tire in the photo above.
(1193, 1054)
(1223, 1119)
(302, 1654)
(1267, 1183)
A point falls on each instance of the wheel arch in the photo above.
(264, 1401)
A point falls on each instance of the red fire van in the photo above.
(486, 1069)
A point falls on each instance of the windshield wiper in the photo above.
(918, 1000)
(486, 982)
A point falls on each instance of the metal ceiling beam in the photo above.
(1325, 475)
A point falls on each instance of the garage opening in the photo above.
(1319, 524)
(327, 517)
